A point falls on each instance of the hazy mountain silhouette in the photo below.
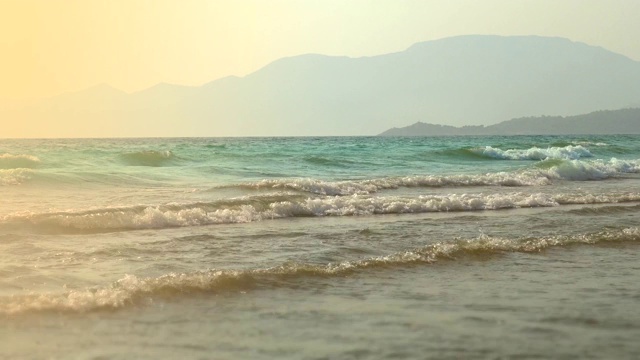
(624, 121)
(466, 80)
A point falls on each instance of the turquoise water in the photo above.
(357, 247)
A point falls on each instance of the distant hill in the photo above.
(466, 80)
(625, 121)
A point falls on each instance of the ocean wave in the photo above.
(468, 154)
(543, 173)
(215, 146)
(15, 176)
(327, 161)
(152, 158)
(605, 210)
(578, 170)
(370, 186)
(569, 152)
(590, 143)
(585, 143)
(250, 209)
(132, 290)
(10, 161)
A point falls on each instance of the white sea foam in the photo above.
(14, 176)
(592, 170)
(243, 211)
(543, 174)
(132, 290)
(374, 185)
(568, 153)
(589, 143)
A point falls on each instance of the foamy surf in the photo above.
(15, 176)
(369, 186)
(578, 170)
(284, 205)
(543, 173)
(569, 152)
(361, 230)
(132, 290)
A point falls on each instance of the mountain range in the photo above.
(460, 81)
(623, 121)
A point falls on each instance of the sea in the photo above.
(492, 247)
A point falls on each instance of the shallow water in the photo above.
(470, 247)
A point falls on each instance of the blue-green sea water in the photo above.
(320, 248)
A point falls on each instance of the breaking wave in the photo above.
(541, 174)
(15, 176)
(132, 290)
(369, 186)
(278, 206)
(590, 143)
(578, 170)
(569, 152)
(9, 161)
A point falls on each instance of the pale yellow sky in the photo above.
(50, 47)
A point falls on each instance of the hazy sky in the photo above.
(49, 47)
